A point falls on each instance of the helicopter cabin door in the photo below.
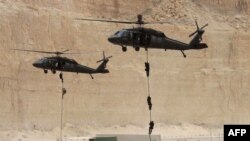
(140, 39)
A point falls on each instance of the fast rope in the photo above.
(149, 102)
(63, 93)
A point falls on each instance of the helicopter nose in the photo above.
(36, 64)
(113, 39)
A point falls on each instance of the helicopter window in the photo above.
(40, 60)
(49, 62)
(117, 32)
(137, 36)
(126, 34)
(162, 35)
(74, 62)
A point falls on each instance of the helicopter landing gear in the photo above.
(137, 48)
(91, 76)
(53, 71)
(124, 49)
(45, 71)
(184, 55)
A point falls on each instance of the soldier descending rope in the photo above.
(151, 127)
(149, 103)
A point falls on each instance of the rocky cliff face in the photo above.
(209, 87)
(228, 6)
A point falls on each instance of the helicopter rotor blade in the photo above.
(139, 21)
(192, 34)
(82, 52)
(47, 52)
(56, 52)
(65, 51)
(99, 61)
(196, 23)
(122, 22)
(164, 22)
(110, 21)
(198, 28)
(107, 58)
(103, 54)
(204, 26)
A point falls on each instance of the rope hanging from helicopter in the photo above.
(149, 102)
(63, 93)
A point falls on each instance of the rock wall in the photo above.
(228, 6)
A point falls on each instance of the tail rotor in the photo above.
(104, 58)
(199, 30)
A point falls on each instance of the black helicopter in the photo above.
(64, 64)
(149, 38)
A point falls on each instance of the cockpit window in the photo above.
(117, 32)
(125, 33)
(162, 35)
(73, 61)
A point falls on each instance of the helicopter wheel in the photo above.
(137, 48)
(124, 49)
(45, 71)
(53, 71)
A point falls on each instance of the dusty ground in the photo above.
(192, 96)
